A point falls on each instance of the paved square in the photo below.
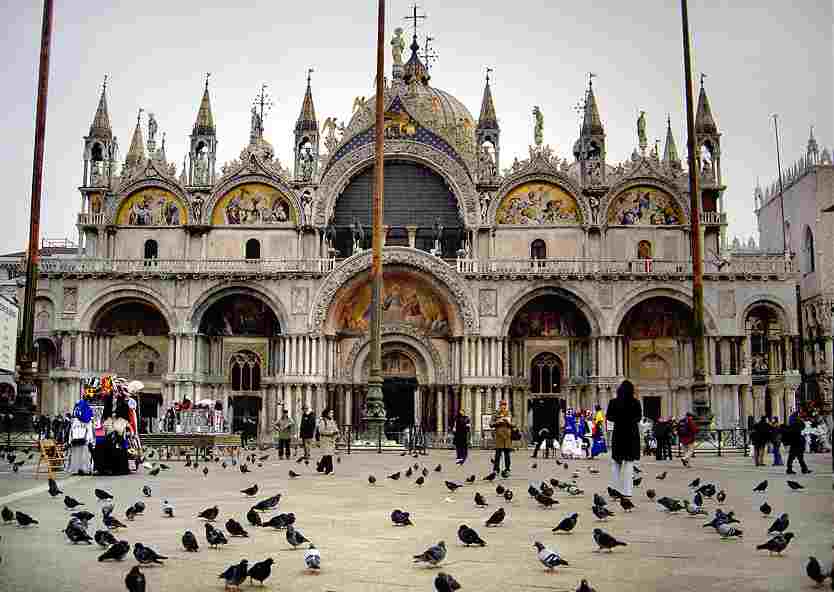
(361, 551)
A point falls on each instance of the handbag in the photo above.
(515, 434)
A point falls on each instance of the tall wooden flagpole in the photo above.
(375, 406)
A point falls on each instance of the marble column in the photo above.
(476, 411)
(417, 405)
(438, 409)
(349, 406)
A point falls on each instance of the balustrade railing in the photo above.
(713, 218)
(91, 219)
(253, 266)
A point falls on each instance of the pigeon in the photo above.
(614, 494)
(205, 471)
(154, 472)
(721, 497)
(146, 555)
(728, 531)
(779, 525)
(215, 537)
(567, 524)
(605, 540)
(546, 501)
(599, 500)
(235, 529)
(267, 504)
(295, 537)
(490, 477)
(312, 558)
(545, 489)
(130, 513)
(280, 521)
(7, 514)
(443, 582)
(103, 496)
(24, 519)
(146, 491)
(261, 570)
(135, 580)
(438, 468)
(292, 474)
(499, 489)
(209, 514)
(584, 586)
(139, 507)
(409, 473)
(167, 509)
(508, 495)
(814, 571)
(479, 500)
(650, 493)
(670, 505)
(189, 542)
(626, 504)
(433, 555)
(394, 476)
(794, 485)
(534, 466)
(661, 476)
(765, 509)
(253, 517)
(637, 481)
(550, 559)
(761, 487)
(452, 486)
(470, 479)
(400, 518)
(497, 517)
(104, 538)
(419, 481)
(236, 574)
(468, 536)
(117, 551)
(695, 483)
(76, 533)
(112, 522)
(532, 491)
(707, 490)
(53, 488)
(71, 503)
(601, 512)
(694, 510)
(371, 479)
(777, 544)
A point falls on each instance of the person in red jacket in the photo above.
(686, 437)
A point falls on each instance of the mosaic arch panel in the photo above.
(407, 298)
(538, 203)
(549, 316)
(253, 204)
(644, 206)
(657, 318)
(240, 315)
(150, 207)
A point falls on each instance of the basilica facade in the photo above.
(543, 280)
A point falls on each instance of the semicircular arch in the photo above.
(89, 313)
(430, 369)
(136, 193)
(561, 182)
(215, 295)
(772, 303)
(580, 300)
(638, 295)
(660, 198)
(282, 190)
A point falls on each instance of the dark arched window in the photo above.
(246, 372)
(253, 249)
(808, 251)
(151, 367)
(538, 249)
(151, 250)
(545, 374)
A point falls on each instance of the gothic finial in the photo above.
(488, 70)
(104, 85)
(208, 75)
(702, 79)
(309, 72)
(139, 116)
(591, 77)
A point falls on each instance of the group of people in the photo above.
(795, 435)
(658, 436)
(55, 428)
(321, 432)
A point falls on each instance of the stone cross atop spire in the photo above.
(100, 128)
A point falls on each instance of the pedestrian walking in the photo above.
(796, 446)
(759, 437)
(307, 430)
(328, 431)
(461, 429)
(776, 441)
(502, 423)
(687, 430)
(624, 412)
(283, 432)
(543, 438)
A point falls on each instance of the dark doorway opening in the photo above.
(148, 411)
(398, 394)
(546, 414)
(245, 413)
(768, 401)
(651, 407)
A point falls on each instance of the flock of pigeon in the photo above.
(725, 524)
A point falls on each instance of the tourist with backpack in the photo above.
(687, 430)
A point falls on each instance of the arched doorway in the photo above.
(246, 410)
(545, 389)
(399, 386)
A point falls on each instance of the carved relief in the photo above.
(488, 302)
(138, 360)
(727, 304)
(70, 300)
(299, 300)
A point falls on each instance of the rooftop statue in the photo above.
(397, 46)
(538, 132)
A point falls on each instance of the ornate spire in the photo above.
(100, 128)
(591, 121)
(704, 121)
(414, 69)
(307, 117)
(670, 150)
(813, 151)
(204, 125)
(487, 118)
(136, 152)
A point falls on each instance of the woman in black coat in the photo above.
(625, 413)
(461, 437)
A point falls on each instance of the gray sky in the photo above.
(761, 57)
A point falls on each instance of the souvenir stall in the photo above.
(194, 428)
(117, 393)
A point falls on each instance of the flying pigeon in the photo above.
(779, 525)
(145, 555)
(295, 537)
(135, 580)
(777, 544)
(261, 570)
(236, 574)
(468, 536)
(605, 540)
(567, 524)
(443, 582)
(209, 514)
(550, 559)
(189, 542)
(497, 517)
(400, 518)
(433, 555)
(312, 558)
(117, 551)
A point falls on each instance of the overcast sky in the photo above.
(760, 57)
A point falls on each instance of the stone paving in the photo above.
(361, 551)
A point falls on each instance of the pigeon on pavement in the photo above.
(7, 514)
(24, 519)
(71, 503)
(728, 531)
(295, 537)
(146, 491)
(117, 551)
(280, 521)
(438, 468)
(584, 586)
(721, 497)
(394, 476)
(601, 512)
(779, 525)
(189, 542)
(670, 504)
(546, 501)
(765, 509)
(235, 529)
(76, 532)
(567, 524)
(167, 509)
(209, 514)
(794, 485)
(236, 574)
(550, 559)
(695, 483)
(145, 555)
(497, 517)
(215, 537)
(433, 555)
(761, 487)
(103, 495)
(419, 481)
(261, 570)
(268, 503)
(605, 540)
(661, 476)
(468, 536)
(253, 517)
(452, 486)
(250, 491)
(813, 570)
(470, 479)
(400, 518)
(135, 580)
(777, 544)
(599, 500)
(53, 488)
(104, 538)
(490, 477)
(479, 500)
(651, 493)
(371, 479)
(508, 495)
(312, 558)
(443, 582)
(626, 504)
